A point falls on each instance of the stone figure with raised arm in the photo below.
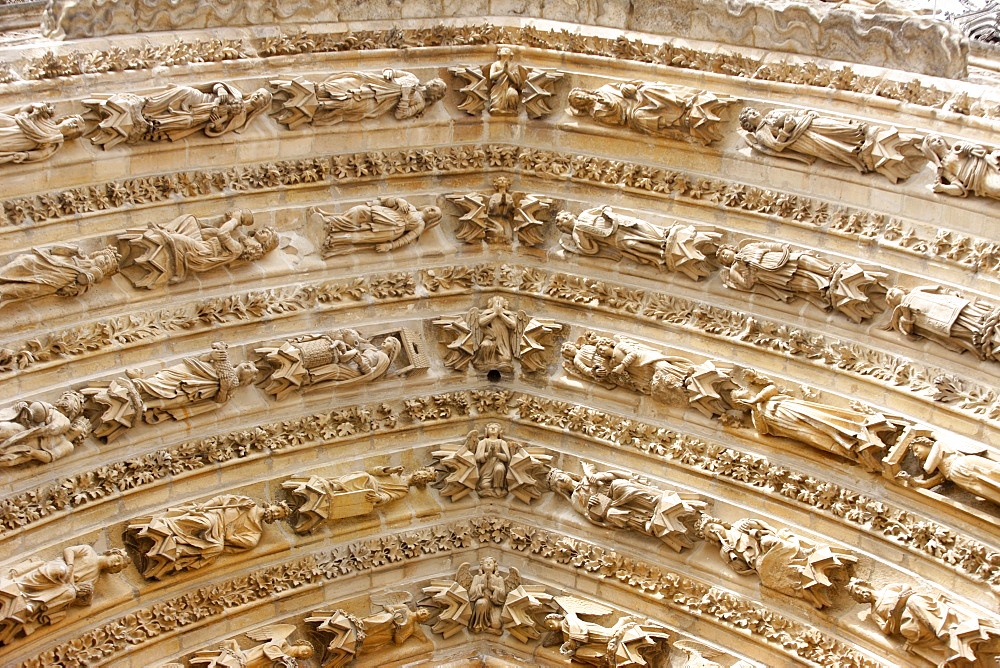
(964, 168)
(42, 432)
(382, 225)
(602, 232)
(36, 593)
(353, 96)
(272, 651)
(166, 253)
(61, 270)
(947, 318)
(214, 109)
(32, 133)
(807, 136)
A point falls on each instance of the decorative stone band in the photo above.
(933, 541)
(678, 593)
(947, 246)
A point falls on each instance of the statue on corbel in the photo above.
(503, 87)
(62, 270)
(383, 224)
(354, 96)
(501, 216)
(42, 432)
(320, 499)
(949, 319)
(273, 649)
(964, 168)
(33, 133)
(971, 467)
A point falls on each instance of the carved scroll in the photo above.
(61, 270)
(502, 87)
(382, 225)
(501, 216)
(33, 133)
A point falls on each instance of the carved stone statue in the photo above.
(193, 535)
(780, 272)
(492, 467)
(392, 622)
(948, 319)
(196, 385)
(806, 136)
(57, 270)
(502, 215)
(341, 359)
(976, 470)
(33, 133)
(36, 593)
(42, 432)
(624, 500)
(322, 499)
(629, 642)
(622, 362)
(179, 111)
(931, 624)
(353, 96)
(165, 253)
(382, 225)
(654, 109)
(964, 168)
(781, 559)
(492, 338)
(274, 650)
(601, 232)
(855, 435)
(502, 87)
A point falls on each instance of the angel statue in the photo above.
(618, 642)
(502, 87)
(500, 216)
(487, 602)
(492, 467)
(274, 650)
(392, 622)
(32, 133)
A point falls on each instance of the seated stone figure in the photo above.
(56, 270)
(42, 432)
(382, 225)
(964, 168)
(947, 318)
(33, 133)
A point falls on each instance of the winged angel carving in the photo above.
(486, 602)
(502, 215)
(273, 649)
(502, 87)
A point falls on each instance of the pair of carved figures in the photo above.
(382, 225)
(503, 87)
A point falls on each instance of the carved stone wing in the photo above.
(582, 607)
(523, 604)
(526, 473)
(339, 631)
(528, 228)
(473, 224)
(452, 600)
(476, 88)
(536, 95)
(275, 633)
(299, 104)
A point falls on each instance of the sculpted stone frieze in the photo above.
(166, 253)
(602, 232)
(34, 133)
(346, 636)
(625, 500)
(972, 468)
(196, 385)
(503, 87)
(42, 432)
(174, 113)
(492, 467)
(36, 593)
(61, 270)
(354, 96)
(502, 215)
(382, 225)
(964, 168)
(625, 642)
(274, 649)
(783, 561)
(947, 318)
(932, 625)
(193, 535)
(807, 136)
(654, 109)
(320, 499)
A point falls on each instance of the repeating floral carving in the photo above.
(964, 168)
(42, 432)
(33, 133)
(503, 87)
(61, 270)
(501, 216)
(382, 225)
(274, 649)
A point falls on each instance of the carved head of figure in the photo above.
(300, 650)
(258, 102)
(434, 90)
(935, 147)
(565, 221)
(922, 446)
(569, 350)
(501, 183)
(72, 127)
(860, 590)
(894, 296)
(431, 216)
(259, 244)
(505, 53)
(553, 621)
(104, 263)
(710, 528)
(70, 403)
(581, 101)
(750, 119)
(488, 566)
(726, 255)
(560, 481)
(422, 477)
(494, 430)
(422, 614)
(245, 373)
(274, 512)
(113, 561)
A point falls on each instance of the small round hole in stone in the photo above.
(493, 376)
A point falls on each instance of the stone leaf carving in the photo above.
(592, 634)
(502, 87)
(492, 338)
(784, 561)
(42, 432)
(196, 385)
(213, 109)
(274, 649)
(947, 318)
(320, 499)
(36, 593)
(487, 602)
(166, 253)
(33, 133)
(781, 272)
(338, 360)
(964, 168)
(654, 109)
(382, 225)
(392, 622)
(502, 215)
(353, 96)
(625, 500)
(602, 232)
(193, 535)
(807, 136)
(61, 270)
(491, 466)
(931, 624)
